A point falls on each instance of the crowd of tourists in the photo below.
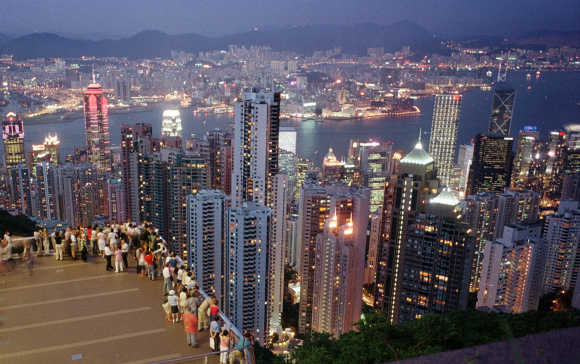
(152, 257)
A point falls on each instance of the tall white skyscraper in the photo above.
(256, 133)
(246, 271)
(276, 251)
(171, 124)
(205, 234)
(443, 139)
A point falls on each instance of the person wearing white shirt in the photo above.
(166, 279)
(108, 255)
(125, 252)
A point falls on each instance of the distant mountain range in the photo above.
(353, 39)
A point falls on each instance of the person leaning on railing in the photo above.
(237, 355)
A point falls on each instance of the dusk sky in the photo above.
(214, 17)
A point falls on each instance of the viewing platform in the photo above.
(70, 311)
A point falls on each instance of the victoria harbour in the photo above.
(547, 102)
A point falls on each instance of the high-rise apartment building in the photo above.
(562, 235)
(527, 139)
(276, 251)
(206, 213)
(436, 261)
(443, 141)
(171, 124)
(13, 138)
(313, 211)
(246, 271)
(287, 139)
(20, 190)
(491, 166)
(255, 146)
(98, 136)
(339, 262)
(502, 109)
(512, 270)
(46, 192)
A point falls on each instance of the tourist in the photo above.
(182, 300)
(108, 254)
(173, 302)
(190, 326)
(214, 331)
(118, 260)
(38, 240)
(224, 346)
(58, 245)
(102, 242)
(125, 252)
(150, 266)
(5, 254)
(213, 309)
(238, 351)
(166, 279)
(166, 308)
(45, 241)
(140, 258)
(202, 314)
(73, 244)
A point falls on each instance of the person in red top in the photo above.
(150, 266)
(190, 326)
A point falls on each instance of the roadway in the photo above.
(77, 312)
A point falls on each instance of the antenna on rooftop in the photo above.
(94, 78)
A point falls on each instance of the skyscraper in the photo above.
(502, 109)
(256, 133)
(205, 232)
(46, 192)
(13, 138)
(276, 251)
(97, 127)
(443, 141)
(524, 157)
(339, 262)
(405, 196)
(436, 262)
(491, 166)
(246, 271)
(171, 124)
(562, 239)
(20, 190)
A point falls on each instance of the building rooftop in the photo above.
(417, 156)
(446, 197)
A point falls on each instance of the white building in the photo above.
(171, 124)
(276, 251)
(205, 239)
(443, 141)
(256, 133)
(287, 139)
(246, 257)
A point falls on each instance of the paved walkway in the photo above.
(77, 312)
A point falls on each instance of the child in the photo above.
(118, 260)
(173, 302)
(166, 308)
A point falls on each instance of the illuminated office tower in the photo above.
(245, 275)
(227, 155)
(339, 262)
(502, 109)
(255, 155)
(313, 211)
(136, 145)
(46, 192)
(491, 166)
(436, 262)
(553, 161)
(116, 200)
(13, 138)
(205, 238)
(46, 152)
(291, 243)
(443, 141)
(303, 165)
(332, 168)
(97, 127)
(373, 250)
(20, 190)
(276, 251)
(562, 235)
(572, 148)
(171, 124)
(524, 157)
(287, 139)
(376, 164)
(408, 193)
(215, 140)
(287, 165)
(512, 269)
